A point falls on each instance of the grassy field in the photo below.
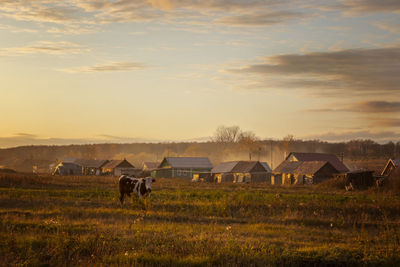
(78, 221)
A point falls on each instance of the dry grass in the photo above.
(49, 220)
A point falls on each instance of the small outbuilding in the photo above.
(120, 167)
(67, 168)
(359, 179)
(182, 167)
(149, 166)
(241, 172)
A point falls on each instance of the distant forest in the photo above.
(243, 148)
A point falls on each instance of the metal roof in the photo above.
(238, 166)
(151, 164)
(189, 162)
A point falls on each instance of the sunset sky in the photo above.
(82, 71)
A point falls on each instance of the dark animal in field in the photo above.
(141, 187)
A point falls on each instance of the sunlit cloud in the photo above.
(108, 67)
(46, 47)
(353, 71)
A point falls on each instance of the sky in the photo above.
(91, 71)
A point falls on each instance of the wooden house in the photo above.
(119, 167)
(241, 172)
(332, 159)
(92, 166)
(304, 172)
(182, 167)
(390, 166)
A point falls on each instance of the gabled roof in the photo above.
(311, 167)
(266, 166)
(301, 167)
(244, 166)
(91, 163)
(239, 166)
(331, 158)
(287, 166)
(188, 162)
(112, 164)
(395, 162)
(224, 167)
(151, 164)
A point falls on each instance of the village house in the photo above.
(303, 172)
(307, 168)
(91, 166)
(241, 172)
(182, 167)
(390, 166)
(119, 167)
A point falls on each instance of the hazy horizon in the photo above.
(169, 70)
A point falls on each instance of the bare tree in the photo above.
(225, 134)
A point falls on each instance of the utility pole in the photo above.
(271, 154)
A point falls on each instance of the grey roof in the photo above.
(189, 162)
(112, 164)
(224, 167)
(238, 166)
(91, 163)
(266, 166)
(287, 166)
(310, 167)
(333, 160)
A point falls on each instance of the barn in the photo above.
(182, 167)
(119, 167)
(390, 166)
(241, 172)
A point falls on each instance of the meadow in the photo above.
(64, 221)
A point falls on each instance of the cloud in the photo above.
(351, 7)
(378, 136)
(363, 107)
(108, 67)
(260, 19)
(390, 26)
(46, 47)
(339, 73)
(387, 123)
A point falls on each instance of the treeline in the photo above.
(244, 148)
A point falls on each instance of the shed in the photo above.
(68, 168)
(390, 166)
(185, 167)
(241, 172)
(119, 167)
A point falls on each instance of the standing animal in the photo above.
(141, 187)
